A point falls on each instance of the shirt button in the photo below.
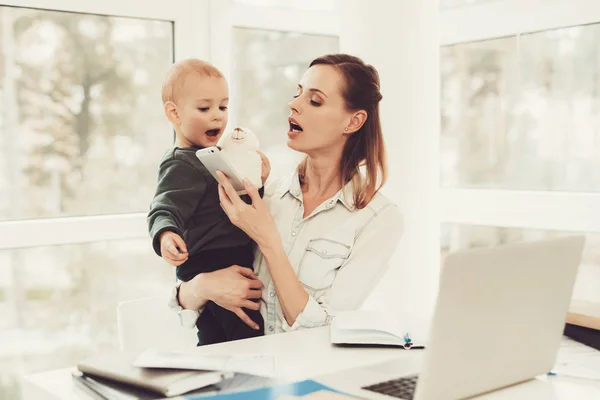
(324, 251)
(293, 233)
(271, 329)
(272, 294)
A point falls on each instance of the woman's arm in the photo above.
(189, 296)
(357, 277)
(290, 292)
(257, 222)
(354, 281)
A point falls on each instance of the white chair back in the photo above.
(149, 322)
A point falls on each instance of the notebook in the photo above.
(167, 382)
(365, 327)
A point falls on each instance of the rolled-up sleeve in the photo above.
(369, 259)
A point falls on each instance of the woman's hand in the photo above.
(254, 219)
(232, 288)
(265, 167)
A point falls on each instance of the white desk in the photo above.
(307, 354)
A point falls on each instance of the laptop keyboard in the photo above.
(402, 388)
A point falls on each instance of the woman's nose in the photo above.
(294, 105)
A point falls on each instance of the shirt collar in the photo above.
(292, 186)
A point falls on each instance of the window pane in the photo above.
(269, 66)
(523, 113)
(81, 124)
(58, 304)
(587, 286)
(320, 5)
(477, 82)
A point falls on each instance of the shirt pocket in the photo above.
(320, 262)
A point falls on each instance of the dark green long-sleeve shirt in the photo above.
(187, 203)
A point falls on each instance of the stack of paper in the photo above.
(252, 364)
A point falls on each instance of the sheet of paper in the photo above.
(252, 364)
(577, 360)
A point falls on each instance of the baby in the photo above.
(189, 229)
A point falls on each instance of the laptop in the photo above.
(499, 319)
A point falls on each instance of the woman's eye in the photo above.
(314, 103)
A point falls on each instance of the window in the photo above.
(268, 67)
(81, 128)
(58, 304)
(587, 287)
(81, 134)
(522, 112)
(519, 139)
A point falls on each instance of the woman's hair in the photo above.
(364, 147)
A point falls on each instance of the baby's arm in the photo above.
(180, 187)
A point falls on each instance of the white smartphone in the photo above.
(214, 161)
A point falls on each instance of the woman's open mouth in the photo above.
(295, 128)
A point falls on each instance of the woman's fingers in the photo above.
(254, 294)
(247, 272)
(229, 190)
(252, 191)
(252, 305)
(255, 284)
(264, 159)
(244, 317)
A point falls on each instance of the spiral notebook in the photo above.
(365, 327)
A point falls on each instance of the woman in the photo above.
(324, 234)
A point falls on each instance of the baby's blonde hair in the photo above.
(179, 71)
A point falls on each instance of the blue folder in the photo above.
(301, 388)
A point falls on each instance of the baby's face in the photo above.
(202, 110)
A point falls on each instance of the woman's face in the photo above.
(318, 114)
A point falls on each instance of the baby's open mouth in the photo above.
(213, 132)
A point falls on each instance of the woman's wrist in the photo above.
(269, 240)
(272, 250)
(193, 295)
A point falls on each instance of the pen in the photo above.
(407, 341)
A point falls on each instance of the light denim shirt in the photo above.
(338, 252)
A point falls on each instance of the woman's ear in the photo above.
(356, 122)
(171, 113)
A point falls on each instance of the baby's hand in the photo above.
(265, 168)
(173, 249)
